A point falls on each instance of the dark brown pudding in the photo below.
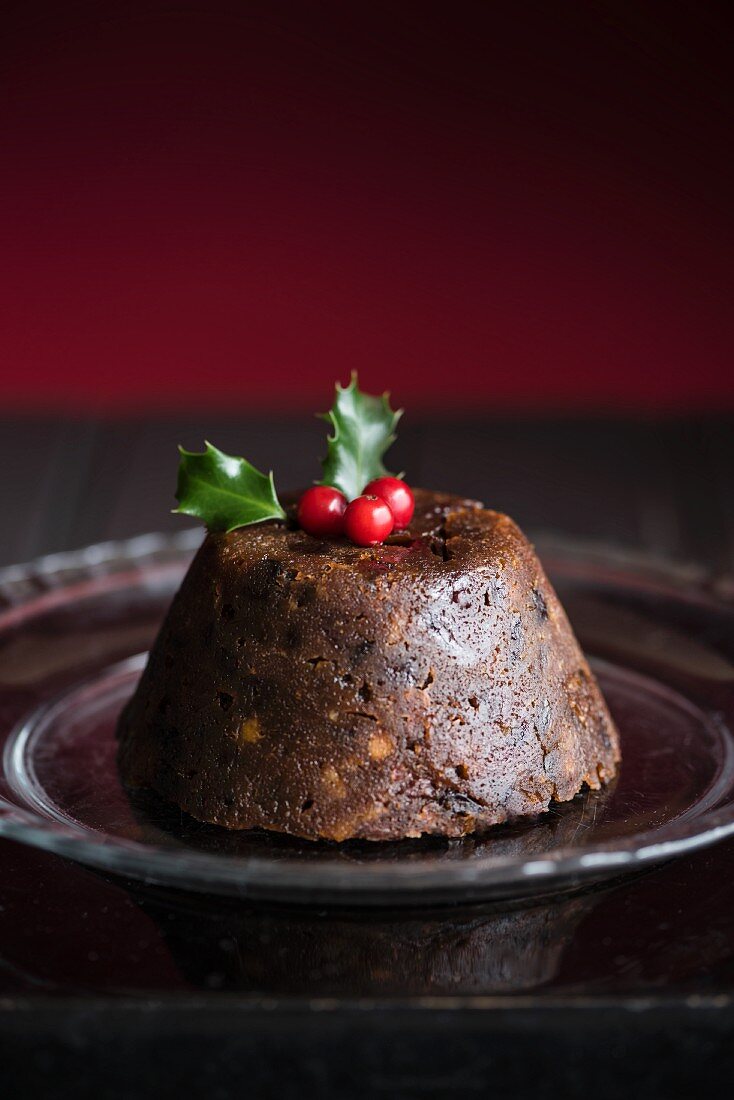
(428, 685)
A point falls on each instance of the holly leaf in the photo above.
(363, 428)
(224, 492)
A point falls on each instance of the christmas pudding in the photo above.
(324, 674)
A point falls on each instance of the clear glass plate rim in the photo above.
(26, 586)
(674, 838)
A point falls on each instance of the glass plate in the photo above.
(73, 632)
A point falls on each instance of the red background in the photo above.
(234, 204)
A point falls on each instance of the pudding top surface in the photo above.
(448, 533)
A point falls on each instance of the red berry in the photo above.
(368, 520)
(398, 497)
(321, 511)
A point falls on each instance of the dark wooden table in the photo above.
(659, 485)
(109, 989)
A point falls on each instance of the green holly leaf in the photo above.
(224, 492)
(363, 429)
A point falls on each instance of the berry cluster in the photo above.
(386, 503)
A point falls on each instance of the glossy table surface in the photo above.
(113, 988)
